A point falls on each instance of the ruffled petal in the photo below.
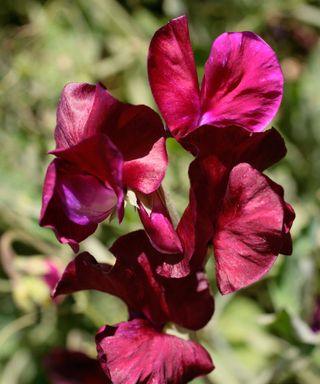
(186, 301)
(249, 230)
(70, 367)
(173, 77)
(54, 214)
(242, 84)
(136, 353)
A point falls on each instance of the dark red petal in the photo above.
(98, 157)
(54, 216)
(289, 216)
(82, 111)
(242, 84)
(249, 231)
(233, 145)
(137, 351)
(173, 77)
(70, 367)
(134, 129)
(158, 225)
(84, 272)
(172, 294)
(186, 301)
(190, 301)
(195, 228)
(146, 173)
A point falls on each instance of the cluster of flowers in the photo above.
(105, 148)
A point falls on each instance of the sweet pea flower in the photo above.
(139, 349)
(242, 83)
(232, 205)
(103, 147)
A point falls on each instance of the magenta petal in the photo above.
(186, 301)
(145, 174)
(243, 82)
(71, 367)
(158, 225)
(249, 231)
(98, 157)
(137, 351)
(173, 77)
(53, 213)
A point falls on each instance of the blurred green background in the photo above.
(260, 335)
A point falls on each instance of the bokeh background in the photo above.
(266, 334)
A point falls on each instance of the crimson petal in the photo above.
(173, 77)
(242, 84)
(249, 232)
(136, 353)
